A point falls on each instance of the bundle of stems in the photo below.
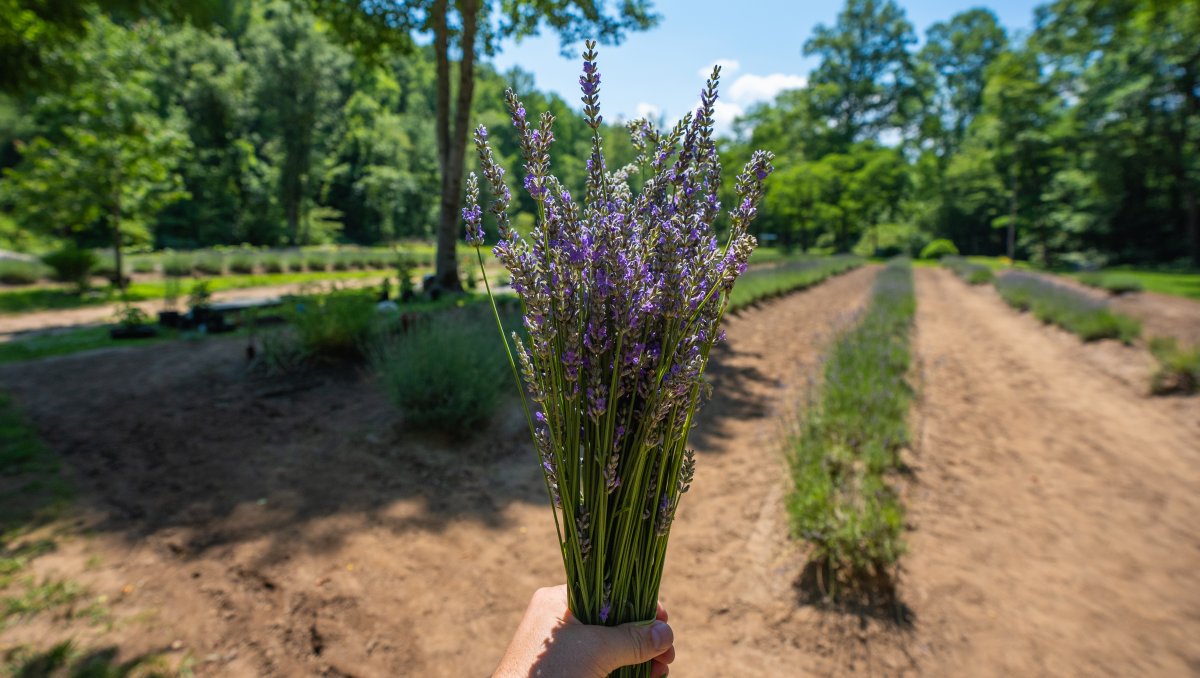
(623, 296)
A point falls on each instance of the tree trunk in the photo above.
(115, 217)
(1011, 248)
(452, 141)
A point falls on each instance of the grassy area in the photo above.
(1070, 309)
(975, 274)
(1113, 283)
(1177, 283)
(762, 284)
(842, 502)
(71, 341)
(1178, 367)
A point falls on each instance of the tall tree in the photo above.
(468, 28)
(958, 53)
(866, 81)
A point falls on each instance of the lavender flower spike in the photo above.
(623, 295)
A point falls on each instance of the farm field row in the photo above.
(315, 535)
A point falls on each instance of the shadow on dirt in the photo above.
(868, 597)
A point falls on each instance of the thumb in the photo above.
(633, 643)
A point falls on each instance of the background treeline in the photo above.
(1076, 143)
(252, 121)
(259, 126)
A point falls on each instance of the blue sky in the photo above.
(760, 41)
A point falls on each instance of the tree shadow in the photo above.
(737, 396)
(65, 659)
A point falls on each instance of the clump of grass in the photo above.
(446, 373)
(316, 261)
(1113, 283)
(761, 284)
(333, 325)
(295, 264)
(849, 442)
(1178, 367)
(273, 263)
(1074, 311)
(19, 272)
(142, 265)
(72, 264)
(974, 274)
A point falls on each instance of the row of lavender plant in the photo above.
(975, 274)
(760, 284)
(1073, 310)
(623, 295)
(849, 439)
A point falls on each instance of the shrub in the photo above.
(20, 272)
(1113, 283)
(177, 266)
(72, 264)
(333, 325)
(447, 373)
(1070, 309)
(142, 265)
(840, 457)
(316, 261)
(974, 274)
(938, 249)
(242, 262)
(295, 264)
(1178, 367)
(211, 263)
(279, 353)
(272, 263)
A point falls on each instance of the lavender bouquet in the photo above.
(623, 296)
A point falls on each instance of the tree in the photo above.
(469, 28)
(958, 53)
(866, 81)
(112, 160)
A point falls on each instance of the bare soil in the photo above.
(253, 527)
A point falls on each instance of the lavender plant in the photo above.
(623, 295)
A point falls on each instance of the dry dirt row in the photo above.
(296, 528)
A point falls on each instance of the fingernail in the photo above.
(660, 635)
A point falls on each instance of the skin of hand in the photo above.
(550, 642)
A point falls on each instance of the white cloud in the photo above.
(648, 111)
(728, 67)
(724, 113)
(750, 88)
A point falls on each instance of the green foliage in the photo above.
(850, 439)
(446, 373)
(212, 263)
(975, 274)
(939, 248)
(177, 265)
(765, 283)
(20, 272)
(333, 325)
(1178, 367)
(242, 262)
(1069, 309)
(1113, 283)
(72, 264)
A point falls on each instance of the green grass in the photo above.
(71, 341)
(1179, 284)
(761, 284)
(1113, 283)
(1070, 309)
(842, 454)
(972, 273)
(1178, 367)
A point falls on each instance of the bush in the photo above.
(316, 261)
(850, 441)
(210, 264)
(974, 274)
(279, 353)
(448, 373)
(19, 272)
(295, 264)
(938, 249)
(1070, 309)
(72, 264)
(142, 265)
(333, 325)
(242, 262)
(1113, 283)
(1178, 367)
(177, 266)
(272, 263)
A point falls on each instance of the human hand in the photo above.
(551, 642)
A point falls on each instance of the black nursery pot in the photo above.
(133, 332)
(169, 318)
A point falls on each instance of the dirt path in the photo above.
(1055, 506)
(297, 527)
(55, 320)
